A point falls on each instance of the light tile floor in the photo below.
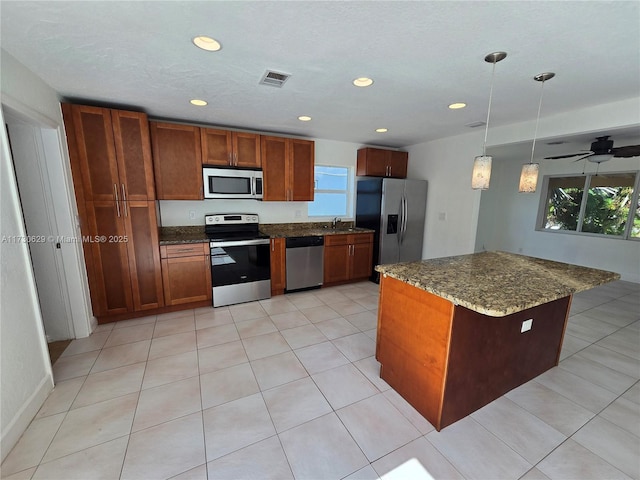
(289, 388)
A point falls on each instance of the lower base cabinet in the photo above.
(278, 266)
(186, 273)
(347, 257)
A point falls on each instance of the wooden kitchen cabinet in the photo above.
(177, 161)
(288, 169)
(110, 155)
(114, 154)
(230, 149)
(347, 257)
(278, 266)
(378, 162)
(186, 273)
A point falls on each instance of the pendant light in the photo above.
(482, 163)
(529, 174)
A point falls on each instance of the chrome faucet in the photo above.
(335, 221)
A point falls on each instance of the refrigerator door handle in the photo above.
(400, 220)
(404, 217)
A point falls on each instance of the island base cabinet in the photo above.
(278, 266)
(186, 273)
(448, 361)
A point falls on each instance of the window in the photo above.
(332, 192)
(610, 206)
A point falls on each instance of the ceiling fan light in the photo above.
(529, 178)
(481, 172)
(599, 158)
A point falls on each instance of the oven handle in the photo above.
(241, 243)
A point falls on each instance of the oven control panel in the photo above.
(231, 219)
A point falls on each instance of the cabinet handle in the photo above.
(230, 159)
(124, 201)
(273, 245)
(115, 191)
(390, 170)
(235, 159)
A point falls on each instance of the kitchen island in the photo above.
(455, 333)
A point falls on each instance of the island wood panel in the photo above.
(489, 356)
(278, 266)
(412, 344)
(448, 361)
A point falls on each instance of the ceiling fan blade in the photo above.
(582, 155)
(627, 151)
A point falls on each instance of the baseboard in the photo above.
(13, 431)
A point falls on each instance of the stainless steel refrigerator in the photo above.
(395, 209)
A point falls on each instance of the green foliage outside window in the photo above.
(606, 209)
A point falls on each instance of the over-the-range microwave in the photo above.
(231, 183)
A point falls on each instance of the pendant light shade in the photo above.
(481, 172)
(529, 178)
(482, 164)
(529, 174)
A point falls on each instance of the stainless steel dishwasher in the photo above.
(305, 262)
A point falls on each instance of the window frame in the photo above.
(544, 197)
(349, 192)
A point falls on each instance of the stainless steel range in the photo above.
(240, 258)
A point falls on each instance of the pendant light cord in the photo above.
(535, 133)
(486, 130)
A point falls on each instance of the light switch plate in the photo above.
(526, 325)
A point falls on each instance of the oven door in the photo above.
(240, 261)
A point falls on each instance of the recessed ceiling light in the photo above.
(207, 43)
(362, 82)
(304, 118)
(198, 103)
(382, 130)
(456, 106)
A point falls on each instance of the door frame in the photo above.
(62, 211)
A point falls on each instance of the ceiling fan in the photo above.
(602, 150)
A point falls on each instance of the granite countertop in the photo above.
(284, 230)
(195, 234)
(497, 283)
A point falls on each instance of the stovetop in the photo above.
(232, 226)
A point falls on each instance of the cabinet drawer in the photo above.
(336, 239)
(348, 238)
(361, 238)
(184, 250)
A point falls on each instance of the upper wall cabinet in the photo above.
(378, 162)
(287, 165)
(231, 149)
(177, 161)
(114, 154)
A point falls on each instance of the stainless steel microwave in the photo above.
(232, 183)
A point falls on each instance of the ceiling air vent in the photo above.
(275, 79)
(475, 124)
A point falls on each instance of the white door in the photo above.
(37, 207)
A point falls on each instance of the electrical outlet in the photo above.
(526, 325)
(298, 214)
(192, 214)
(442, 216)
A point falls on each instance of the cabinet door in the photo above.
(275, 152)
(398, 164)
(141, 227)
(111, 282)
(246, 150)
(216, 147)
(177, 161)
(301, 165)
(133, 155)
(336, 263)
(361, 260)
(96, 152)
(372, 162)
(278, 266)
(186, 279)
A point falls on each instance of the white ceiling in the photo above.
(422, 55)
